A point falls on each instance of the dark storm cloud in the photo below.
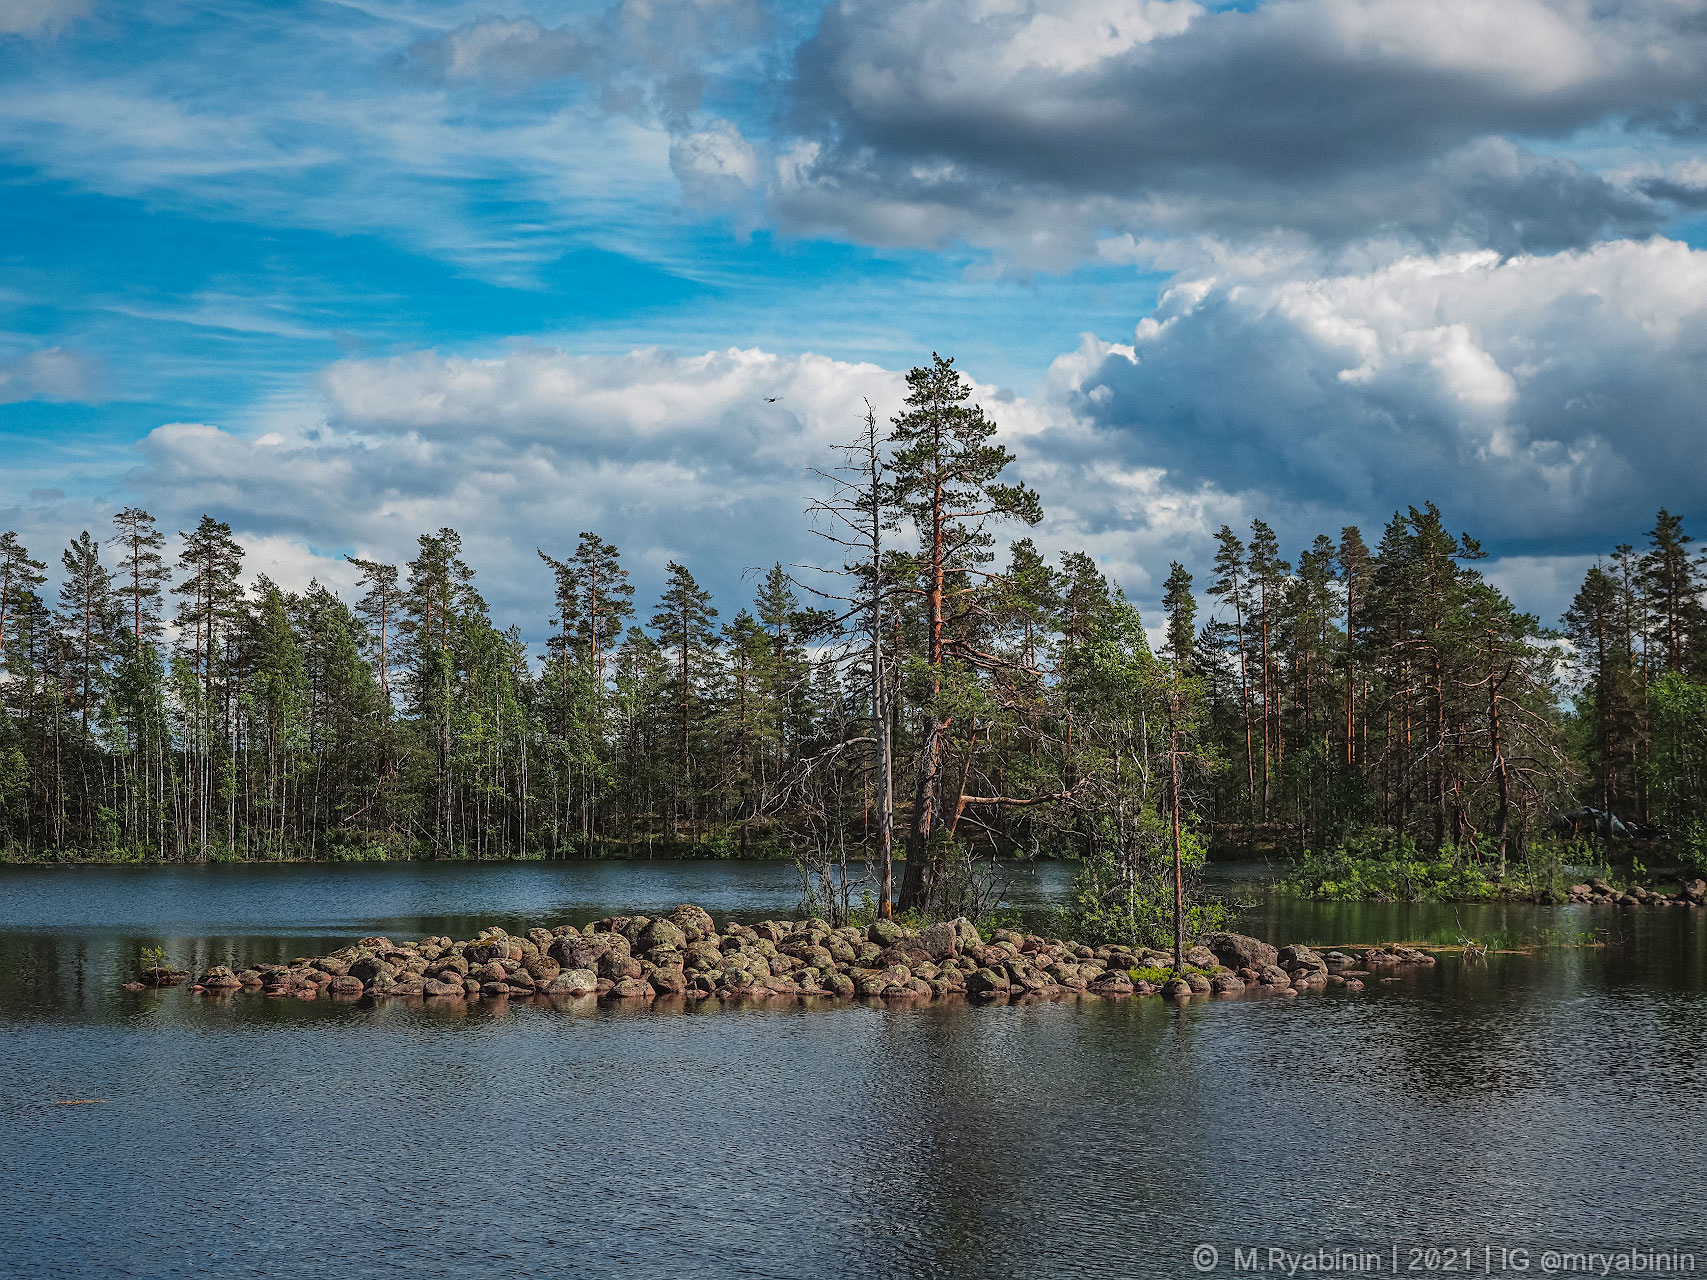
(1343, 119)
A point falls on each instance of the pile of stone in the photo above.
(1691, 893)
(684, 955)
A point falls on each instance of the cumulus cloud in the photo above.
(1033, 125)
(1548, 403)
(53, 373)
(1538, 399)
(670, 456)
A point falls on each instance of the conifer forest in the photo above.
(934, 690)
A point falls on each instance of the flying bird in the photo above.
(772, 399)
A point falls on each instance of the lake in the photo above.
(1550, 1101)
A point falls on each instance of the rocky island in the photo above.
(687, 956)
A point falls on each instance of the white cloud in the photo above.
(1535, 397)
(671, 456)
(717, 167)
(1549, 404)
(52, 373)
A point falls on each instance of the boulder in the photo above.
(667, 980)
(940, 940)
(1176, 989)
(1272, 975)
(220, 978)
(573, 982)
(885, 933)
(1226, 984)
(617, 964)
(371, 968)
(1296, 957)
(662, 935)
(1240, 951)
(542, 969)
(986, 982)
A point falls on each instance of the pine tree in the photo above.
(683, 621)
(1267, 575)
(19, 577)
(1672, 581)
(378, 609)
(1352, 559)
(87, 617)
(947, 466)
(1181, 609)
(142, 572)
(1232, 588)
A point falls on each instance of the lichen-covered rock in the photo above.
(1226, 984)
(371, 968)
(579, 950)
(1238, 950)
(986, 982)
(573, 982)
(1176, 989)
(1295, 957)
(661, 935)
(220, 978)
(885, 933)
(939, 941)
(541, 968)
(666, 979)
(616, 964)
(693, 920)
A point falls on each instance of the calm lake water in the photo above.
(1545, 1101)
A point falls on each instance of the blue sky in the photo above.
(341, 272)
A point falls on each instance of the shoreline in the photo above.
(686, 956)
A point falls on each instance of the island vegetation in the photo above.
(936, 688)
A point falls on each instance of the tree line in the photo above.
(936, 688)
